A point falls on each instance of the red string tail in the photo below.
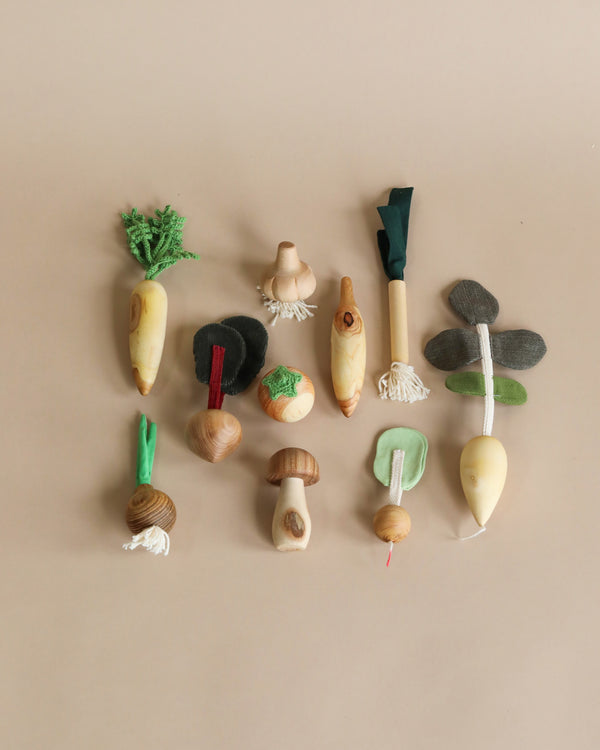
(215, 395)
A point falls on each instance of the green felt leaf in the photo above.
(414, 445)
(506, 390)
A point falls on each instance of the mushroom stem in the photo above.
(291, 521)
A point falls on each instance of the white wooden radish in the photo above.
(483, 462)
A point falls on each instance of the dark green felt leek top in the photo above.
(392, 240)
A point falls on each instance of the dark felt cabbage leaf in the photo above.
(518, 350)
(454, 348)
(256, 339)
(474, 303)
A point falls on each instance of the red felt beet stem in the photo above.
(215, 395)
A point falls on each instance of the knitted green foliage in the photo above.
(282, 382)
(156, 243)
(145, 451)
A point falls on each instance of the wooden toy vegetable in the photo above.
(348, 350)
(399, 464)
(483, 463)
(228, 356)
(150, 513)
(156, 243)
(400, 383)
(286, 394)
(292, 469)
(286, 284)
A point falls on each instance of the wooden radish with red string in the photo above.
(228, 356)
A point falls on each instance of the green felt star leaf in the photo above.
(282, 382)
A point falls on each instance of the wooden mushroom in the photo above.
(292, 469)
(348, 350)
(286, 284)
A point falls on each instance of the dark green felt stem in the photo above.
(393, 238)
(145, 452)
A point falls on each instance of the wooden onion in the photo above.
(150, 507)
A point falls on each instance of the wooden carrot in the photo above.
(400, 383)
(348, 350)
(156, 243)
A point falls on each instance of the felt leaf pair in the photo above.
(458, 347)
(244, 340)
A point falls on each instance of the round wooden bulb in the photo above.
(213, 434)
(391, 523)
(149, 507)
(288, 408)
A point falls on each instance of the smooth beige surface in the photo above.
(263, 122)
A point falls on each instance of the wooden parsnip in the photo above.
(348, 350)
(156, 243)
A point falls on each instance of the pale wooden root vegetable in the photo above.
(147, 327)
(483, 467)
(348, 350)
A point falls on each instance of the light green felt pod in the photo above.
(413, 443)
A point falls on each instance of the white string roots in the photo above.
(299, 309)
(154, 539)
(402, 383)
(472, 536)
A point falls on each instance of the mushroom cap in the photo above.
(293, 462)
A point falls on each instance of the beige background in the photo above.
(261, 122)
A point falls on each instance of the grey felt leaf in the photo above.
(518, 350)
(454, 348)
(474, 303)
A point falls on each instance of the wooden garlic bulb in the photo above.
(348, 350)
(292, 469)
(287, 283)
(150, 513)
